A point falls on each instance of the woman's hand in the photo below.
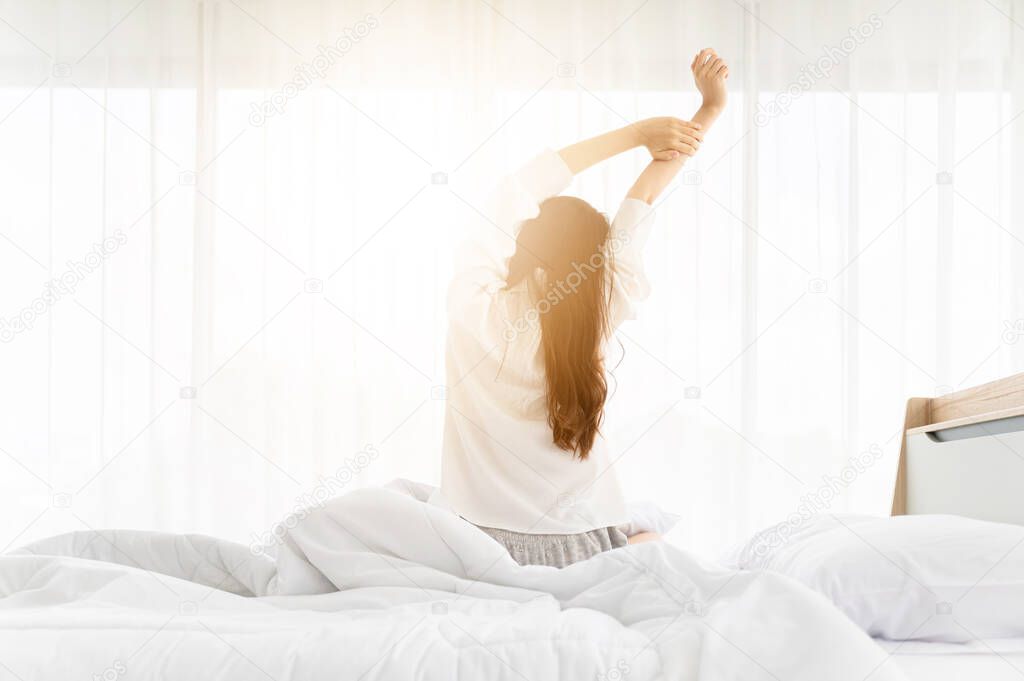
(709, 73)
(669, 138)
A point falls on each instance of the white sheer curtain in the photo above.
(250, 209)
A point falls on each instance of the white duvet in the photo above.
(378, 585)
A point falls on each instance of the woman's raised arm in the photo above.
(709, 72)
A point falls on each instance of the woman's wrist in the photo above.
(634, 132)
(707, 114)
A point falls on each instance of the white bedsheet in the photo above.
(378, 584)
(990, 660)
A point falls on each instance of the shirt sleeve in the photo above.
(481, 263)
(629, 286)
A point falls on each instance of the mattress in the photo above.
(995, 660)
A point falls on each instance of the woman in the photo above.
(523, 458)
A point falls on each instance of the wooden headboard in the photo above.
(996, 401)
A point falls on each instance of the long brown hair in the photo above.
(566, 241)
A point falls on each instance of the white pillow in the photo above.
(922, 577)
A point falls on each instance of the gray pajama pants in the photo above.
(557, 550)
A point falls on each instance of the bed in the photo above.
(963, 454)
(939, 583)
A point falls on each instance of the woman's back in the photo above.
(501, 467)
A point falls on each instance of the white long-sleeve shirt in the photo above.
(500, 467)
